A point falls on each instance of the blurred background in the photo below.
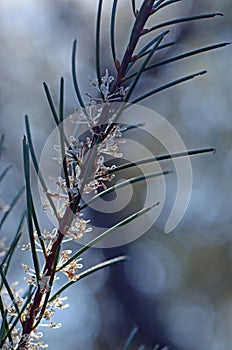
(177, 288)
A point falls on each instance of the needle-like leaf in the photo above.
(139, 17)
(122, 185)
(188, 54)
(157, 4)
(145, 51)
(143, 66)
(12, 205)
(88, 272)
(133, 7)
(164, 4)
(182, 20)
(7, 258)
(37, 227)
(183, 56)
(98, 30)
(74, 75)
(162, 158)
(5, 172)
(29, 208)
(107, 233)
(168, 85)
(9, 291)
(112, 29)
(130, 339)
(62, 136)
(36, 165)
(50, 102)
(4, 325)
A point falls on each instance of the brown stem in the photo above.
(142, 17)
(28, 323)
(137, 31)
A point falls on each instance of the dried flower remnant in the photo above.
(77, 228)
(71, 269)
(51, 324)
(31, 277)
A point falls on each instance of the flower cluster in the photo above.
(12, 305)
(76, 159)
(105, 89)
(73, 267)
(67, 191)
(31, 342)
(77, 228)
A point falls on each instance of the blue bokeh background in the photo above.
(178, 288)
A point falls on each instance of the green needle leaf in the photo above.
(36, 166)
(7, 258)
(184, 55)
(168, 85)
(130, 338)
(162, 158)
(74, 75)
(123, 184)
(9, 291)
(112, 29)
(36, 223)
(158, 3)
(4, 326)
(107, 233)
(139, 17)
(51, 104)
(167, 3)
(145, 51)
(29, 208)
(182, 20)
(143, 66)
(133, 7)
(5, 172)
(12, 204)
(88, 272)
(52, 107)
(98, 30)
(62, 136)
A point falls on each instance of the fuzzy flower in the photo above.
(77, 228)
(31, 276)
(71, 269)
(58, 303)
